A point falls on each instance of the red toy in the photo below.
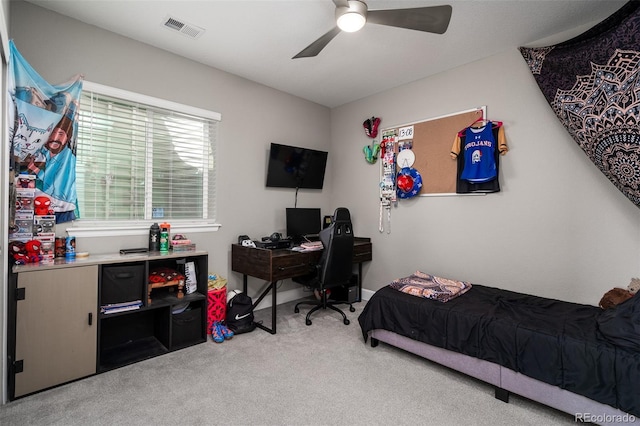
(42, 205)
(33, 251)
(17, 252)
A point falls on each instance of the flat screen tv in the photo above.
(294, 167)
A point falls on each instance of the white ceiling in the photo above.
(256, 39)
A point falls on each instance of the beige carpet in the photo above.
(323, 374)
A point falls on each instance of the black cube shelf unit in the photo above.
(63, 302)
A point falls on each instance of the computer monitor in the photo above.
(303, 223)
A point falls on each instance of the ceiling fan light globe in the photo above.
(351, 22)
(351, 19)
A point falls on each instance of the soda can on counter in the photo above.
(70, 248)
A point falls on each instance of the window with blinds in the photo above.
(137, 161)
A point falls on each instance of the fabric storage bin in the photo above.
(122, 283)
(186, 327)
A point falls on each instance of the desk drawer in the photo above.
(362, 252)
(291, 266)
(251, 261)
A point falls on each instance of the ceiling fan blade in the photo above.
(432, 19)
(314, 48)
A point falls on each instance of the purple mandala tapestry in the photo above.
(592, 82)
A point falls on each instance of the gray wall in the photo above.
(252, 116)
(557, 229)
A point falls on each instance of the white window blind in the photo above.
(137, 161)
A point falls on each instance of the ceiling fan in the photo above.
(351, 15)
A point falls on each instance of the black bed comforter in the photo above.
(549, 340)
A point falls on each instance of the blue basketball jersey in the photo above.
(479, 154)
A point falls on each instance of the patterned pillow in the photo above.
(431, 287)
(165, 275)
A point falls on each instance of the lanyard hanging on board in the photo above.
(388, 178)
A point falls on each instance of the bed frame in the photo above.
(506, 381)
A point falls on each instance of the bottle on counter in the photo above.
(154, 237)
(164, 240)
(168, 226)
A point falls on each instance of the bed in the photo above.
(543, 349)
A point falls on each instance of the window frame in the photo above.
(103, 228)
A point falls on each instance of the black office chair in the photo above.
(335, 266)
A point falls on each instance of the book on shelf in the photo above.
(112, 308)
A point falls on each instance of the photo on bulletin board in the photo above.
(430, 141)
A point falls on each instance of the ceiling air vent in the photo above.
(182, 27)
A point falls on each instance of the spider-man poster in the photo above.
(42, 133)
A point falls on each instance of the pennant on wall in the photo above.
(592, 82)
(42, 133)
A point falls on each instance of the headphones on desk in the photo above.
(276, 236)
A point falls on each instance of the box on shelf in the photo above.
(122, 283)
(183, 247)
(47, 246)
(25, 181)
(44, 224)
(186, 327)
(24, 201)
(24, 225)
(21, 236)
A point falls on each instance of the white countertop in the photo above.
(101, 259)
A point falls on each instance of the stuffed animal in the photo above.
(18, 253)
(614, 297)
(634, 285)
(33, 251)
(42, 205)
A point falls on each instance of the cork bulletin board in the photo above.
(431, 142)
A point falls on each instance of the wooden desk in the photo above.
(280, 264)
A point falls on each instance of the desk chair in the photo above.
(335, 266)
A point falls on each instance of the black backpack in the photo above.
(240, 314)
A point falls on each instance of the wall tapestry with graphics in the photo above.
(592, 83)
(42, 135)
